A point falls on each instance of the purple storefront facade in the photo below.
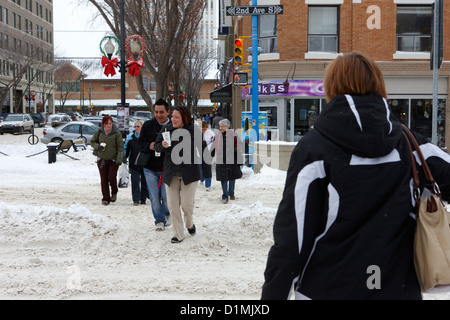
(292, 106)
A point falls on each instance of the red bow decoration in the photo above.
(109, 66)
(134, 66)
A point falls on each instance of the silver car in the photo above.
(70, 131)
(17, 123)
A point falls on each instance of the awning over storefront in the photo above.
(222, 95)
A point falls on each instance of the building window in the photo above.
(267, 37)
(417, 114)
(323, 29)
(414, 28)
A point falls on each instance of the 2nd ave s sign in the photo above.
(253, 10)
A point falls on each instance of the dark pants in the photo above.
(139, 191)
(108, 178)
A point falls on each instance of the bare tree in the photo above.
(165, 25)
(197, 63)
(68, 77)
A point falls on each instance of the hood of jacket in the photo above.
(360, 125)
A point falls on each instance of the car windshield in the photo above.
(13, 117)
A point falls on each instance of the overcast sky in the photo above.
(75, 34)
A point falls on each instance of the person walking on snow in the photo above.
(139, 192)
(108, 143)
(181, 169)
(229, 159)
(206, 166)
(154, 167)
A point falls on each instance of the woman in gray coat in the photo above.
(228, 160)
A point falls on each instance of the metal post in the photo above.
(255, 98)
(435, 45)
(122, 52)
(123, 103)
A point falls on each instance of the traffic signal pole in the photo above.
(255, 98)
(435, 66)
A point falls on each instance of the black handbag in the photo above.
(142, 159)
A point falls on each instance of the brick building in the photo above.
(301, 42)
(26, 55)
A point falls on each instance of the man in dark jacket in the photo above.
(154, 167)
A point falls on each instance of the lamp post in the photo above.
(134, 46)
(123, 104)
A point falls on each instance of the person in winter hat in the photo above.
(132, 147)
(108, 142)
(345, 226)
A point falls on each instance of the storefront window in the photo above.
(441, 123)
(288, 119)
(305, 113)
(400, 109)
(421, 116)
(271, 115)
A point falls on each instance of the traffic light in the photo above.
(238, 51)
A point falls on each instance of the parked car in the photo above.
(17, 122)
(74, 116)
(70, 131)
(145, 114)
(38, 119)
(55, 120)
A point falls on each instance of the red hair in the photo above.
(106, 119)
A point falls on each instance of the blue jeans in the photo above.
(207, 180)
(157, 195)
(227, 189)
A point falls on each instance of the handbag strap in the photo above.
(430, 182)
(415, 175)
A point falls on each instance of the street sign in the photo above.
(254, 10)
(240, 78)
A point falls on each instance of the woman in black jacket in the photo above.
(181, 169)
(132, 147)
(345, 225)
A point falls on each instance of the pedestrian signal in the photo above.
(240, 78)
(238, 51)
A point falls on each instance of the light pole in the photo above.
(123, 103)
(134, 50)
